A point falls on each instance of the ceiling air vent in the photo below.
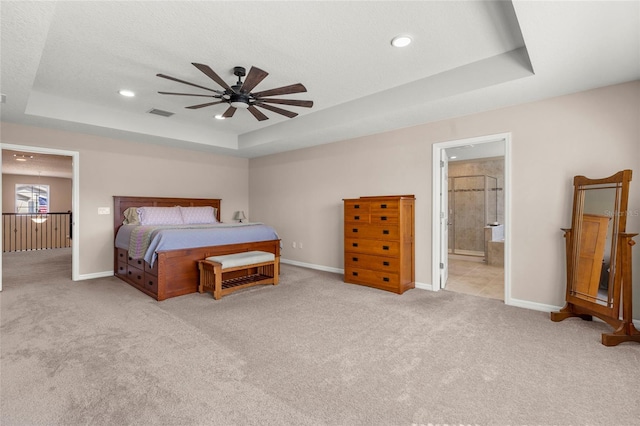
(160, 112)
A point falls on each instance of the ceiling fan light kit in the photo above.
(240, 95)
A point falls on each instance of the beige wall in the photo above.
(111, 167)
(59, 189)
(594, 133)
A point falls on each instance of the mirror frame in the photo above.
(619, 284)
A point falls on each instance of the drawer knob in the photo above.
(356, 206)
(354, 244)
(355, 274)
(383, 218)
(385, 247)
(385, 279)
(355, 259)
(151, 283)
(356, 218)
(385, 232)
(385, 263)
(383, 206)
(354, 230)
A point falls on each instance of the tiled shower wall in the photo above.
(467, 203)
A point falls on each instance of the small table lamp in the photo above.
(239, 215)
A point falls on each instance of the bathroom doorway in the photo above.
(476, 225)
(472, 213)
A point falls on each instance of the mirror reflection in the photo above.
(594, 243)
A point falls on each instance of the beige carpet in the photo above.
(310, 351)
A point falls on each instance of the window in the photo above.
(32, 198)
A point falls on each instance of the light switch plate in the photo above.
(104, 210)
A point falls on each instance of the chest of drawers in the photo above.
(379, 248)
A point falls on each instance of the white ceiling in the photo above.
(62, 64)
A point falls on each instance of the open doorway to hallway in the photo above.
(40, 197)
(471, 216)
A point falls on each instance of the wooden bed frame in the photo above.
(175, 272)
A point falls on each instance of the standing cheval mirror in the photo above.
(598, 254)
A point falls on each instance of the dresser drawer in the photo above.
(148, 269)
(121, 255)
(378, 279)
(382, 206)
(384, 248)
(367, 261)
(151, 283)
(122, 269)
(136, 263)
(389, 232)
(135, 275)
(390, 217)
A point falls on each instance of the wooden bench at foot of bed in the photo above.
(232, 272)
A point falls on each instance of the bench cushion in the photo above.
(241, 259)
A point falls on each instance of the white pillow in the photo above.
(160, 216)
(198, 215)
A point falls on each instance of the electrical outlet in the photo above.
(299, 245)
(293, 244)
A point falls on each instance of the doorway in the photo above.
(471, 219)
(74, 228)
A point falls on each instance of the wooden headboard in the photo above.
(122, 203)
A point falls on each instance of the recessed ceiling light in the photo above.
(453, 157)
(401, 41)
(219, 117)
(127, 93)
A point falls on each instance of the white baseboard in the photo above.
(312, 266)
(552, 308)
(423, 286)
(518, 303)
(104, 274)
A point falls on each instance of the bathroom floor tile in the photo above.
(471, 276)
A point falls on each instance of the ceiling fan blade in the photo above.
(255, 76)
(205, 105)
(285, 90)
(190, 94)
(294, 102)
(186, 82)
(289, 114)
(257, 113)
(229, 112)
(212, 75)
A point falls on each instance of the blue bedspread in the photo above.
(164, 238)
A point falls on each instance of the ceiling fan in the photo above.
(240, 95)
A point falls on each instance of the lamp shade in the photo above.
(239, 215)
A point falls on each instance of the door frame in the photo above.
(75, 198)
(436, 205)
